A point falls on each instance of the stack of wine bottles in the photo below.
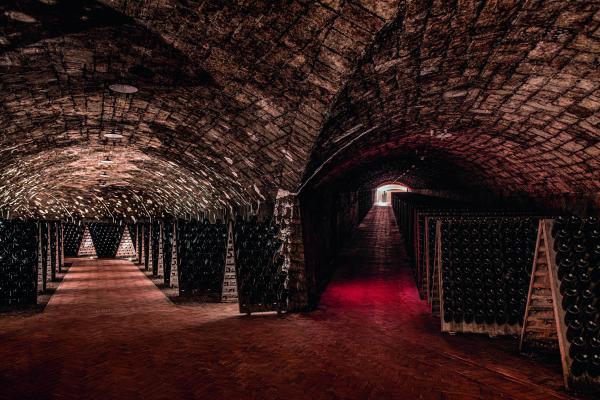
(53, 249)
(486, 268)
(145, 236)
(139, 238)
(132, 233)
(45, 237)
(155, 239)
(406, 207)
(259, 266)
(365, 202)
(18, 262)
(426, 227)
(60, 244)
(201, 257)
(577, 247)
(73, 233)
(106, 238)
(167, 251)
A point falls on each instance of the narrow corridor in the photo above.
(109, 333)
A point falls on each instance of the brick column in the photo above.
(57, 248)
(40, 266)
(142, 246)
(287, 216)
(61, 253)
(174, 281)
(49, 262)
(150, 265)
(160, 250)
(137, 244)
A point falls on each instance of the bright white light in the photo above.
(383, 195)
(113, 135)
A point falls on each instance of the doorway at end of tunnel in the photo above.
(383, 195)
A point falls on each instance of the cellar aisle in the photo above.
(108, 332)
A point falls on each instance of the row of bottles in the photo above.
(201, 255)
(577, 247)
(155, 246)
(18, 263)
(106, 238)
(133, 233)
(486, 268)
(365, 202)
(417, 214)
(259, 263)
(73, 234)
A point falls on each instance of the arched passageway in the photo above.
(383, 193)
(109, 322)
(238, 147)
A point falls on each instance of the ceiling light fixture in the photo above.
(113, 135)
(123, 88)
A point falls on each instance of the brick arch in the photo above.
(230, 98)
(515, 84)
(237, 100)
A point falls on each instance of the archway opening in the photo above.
(383, 194)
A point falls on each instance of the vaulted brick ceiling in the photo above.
(505, 92)
(232, 96)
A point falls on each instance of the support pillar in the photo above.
(174, 281)
(142, 247)
(40, 265)
(150, 265)
(137, 244)
(61, 250)
(49, 262)
(287, 216)
(56, 248)
(161, 266)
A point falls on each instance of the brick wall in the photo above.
(328, 219)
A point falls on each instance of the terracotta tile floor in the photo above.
(109, 333)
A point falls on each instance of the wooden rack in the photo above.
(229, 293)
(424, 263)
(544, 324)
(539, 325)
(438, 302)
(437, 284)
